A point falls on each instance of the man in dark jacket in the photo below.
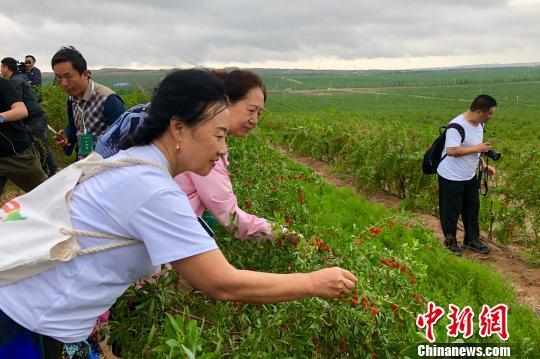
(18, 159)
(34, 74)
(37, 120)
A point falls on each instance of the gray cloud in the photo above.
(167, 32)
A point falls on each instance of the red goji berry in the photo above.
(342, 346)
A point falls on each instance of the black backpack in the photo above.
(432, 157)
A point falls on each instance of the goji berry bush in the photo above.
(399, 265)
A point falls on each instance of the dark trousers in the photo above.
(459, 197)
(23, 169)
(38, 128)
(18, 342)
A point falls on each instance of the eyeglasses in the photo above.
(67, 78)
(28, 62)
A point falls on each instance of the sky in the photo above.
(355, 34)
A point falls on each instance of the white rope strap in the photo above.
(96, 167)
(121, 241)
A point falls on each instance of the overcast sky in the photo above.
(354, 34)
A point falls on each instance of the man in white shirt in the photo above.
(458, 182)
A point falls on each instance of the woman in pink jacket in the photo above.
(247, 96)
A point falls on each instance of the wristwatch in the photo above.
(2, 119)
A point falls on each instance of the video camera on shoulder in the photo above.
(21, 67)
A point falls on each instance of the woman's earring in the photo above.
(178, 149)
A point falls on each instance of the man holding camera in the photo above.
(458, 182)
(33, 73)
(36, 121)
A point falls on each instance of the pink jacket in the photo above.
(215, 193)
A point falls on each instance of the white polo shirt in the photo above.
(139, 202)
(461, 168)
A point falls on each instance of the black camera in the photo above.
(494, 155)
(21, 67)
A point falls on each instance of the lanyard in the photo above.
(81, 109)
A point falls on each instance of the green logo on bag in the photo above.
(12, 211)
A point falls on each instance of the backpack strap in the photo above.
(456, 126)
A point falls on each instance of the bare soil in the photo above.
(526, 279)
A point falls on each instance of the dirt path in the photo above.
(525, 279)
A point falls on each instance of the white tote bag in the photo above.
(35, 229)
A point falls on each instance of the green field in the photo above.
(377, 134)
(280, 79)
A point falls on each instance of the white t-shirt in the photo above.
(140, 202)
(461, 168)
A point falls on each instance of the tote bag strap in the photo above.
(119, 241)
(93, 168)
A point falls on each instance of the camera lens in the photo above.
(494, 155)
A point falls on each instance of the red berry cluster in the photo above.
(393, 263)
(374, 231)
(289, 177)
(363, 303)
(319, 244)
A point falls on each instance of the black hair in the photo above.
(32, 56)
(239, 82)
(70, 54)
(10, 63)
(483, 103)
(193, 96)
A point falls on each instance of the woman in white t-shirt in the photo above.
(185, 132)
